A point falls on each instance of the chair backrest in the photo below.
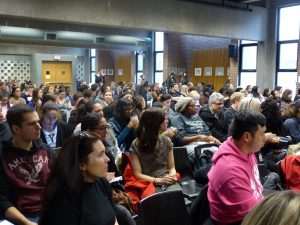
(199, 211)
(182, 162)
(164, 208)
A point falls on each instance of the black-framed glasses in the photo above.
(106, 127)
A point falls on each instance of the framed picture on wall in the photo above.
(181, 71)
(103, 71)
(110, 72)
(198, 71)
(207, 71)
(173, 69)
(120, 72)
(219, 71)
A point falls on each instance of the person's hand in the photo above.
(213, 140)
(30, 223)
(110, 176)
(271, 138)
(167, 179)
(170, 133)
(134, 122)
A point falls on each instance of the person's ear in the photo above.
(247, 137)
(15, 129)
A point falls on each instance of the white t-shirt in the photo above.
(51, 137)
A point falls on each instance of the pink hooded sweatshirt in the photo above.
(234, 187)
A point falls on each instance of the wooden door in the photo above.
(57, 73)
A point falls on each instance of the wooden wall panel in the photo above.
(211, 58)
(124, 62)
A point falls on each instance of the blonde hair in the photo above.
(279, 208)
(236, 96)
(194, 94)
(184, 89)
(249, 103)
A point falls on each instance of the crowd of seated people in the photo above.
(123, 121)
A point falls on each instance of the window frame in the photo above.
(241, 52)
(278, 47)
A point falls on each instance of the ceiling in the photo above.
(26, 31)
(237, 4)
(19, 30)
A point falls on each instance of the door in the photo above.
(57, 73)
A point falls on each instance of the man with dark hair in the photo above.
(234, 187)
(25, 164)
(88, 94)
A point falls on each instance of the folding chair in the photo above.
(199, 211)
(190, 187)
(163, 208)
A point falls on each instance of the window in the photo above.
(139, 65)
(248, 59)
(158, 57)
(287, 47)
(92, 65)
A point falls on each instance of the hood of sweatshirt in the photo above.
(228, 148)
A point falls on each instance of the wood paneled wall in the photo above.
(124, 62)
(211, 58)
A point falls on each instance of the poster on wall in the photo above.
(120, 72)
(219, 71)
(181, 71)
(198, 71)
(109, 72)
(207, 71)
(173, 69)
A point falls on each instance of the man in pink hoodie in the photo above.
(234, 187)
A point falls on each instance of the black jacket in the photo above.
(63, 132)
(216, 125)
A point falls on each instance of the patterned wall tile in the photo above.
(14, 67)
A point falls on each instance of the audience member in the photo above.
(191, 128)
(124, 124)
(291, 126)
(234, 187)
(53, 132)
(166, 100)
(235, 100)
(213, 116)
(279, 208)
(77, 191)
(152, 154)
(25, 167)
(15, 97)
(4, 104)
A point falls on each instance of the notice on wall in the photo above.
(48, 77)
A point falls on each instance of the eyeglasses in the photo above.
(102, 128)
(219, 103)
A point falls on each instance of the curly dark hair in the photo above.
(270, 108)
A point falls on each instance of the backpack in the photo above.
(203, 165)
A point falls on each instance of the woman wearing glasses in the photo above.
(97, 124)
(77, 191)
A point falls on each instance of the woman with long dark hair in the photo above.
(36, 101)
(151, 153)
(77, 191)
